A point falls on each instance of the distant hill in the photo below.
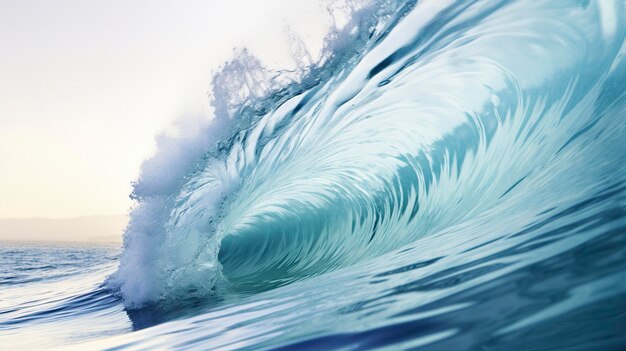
(88, 228)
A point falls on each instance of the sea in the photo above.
(448, 175)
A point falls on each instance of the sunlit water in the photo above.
(450, 176)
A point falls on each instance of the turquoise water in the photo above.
(449, 176)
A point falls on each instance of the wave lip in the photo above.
(436, 114)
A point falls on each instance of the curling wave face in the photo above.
(427, 120)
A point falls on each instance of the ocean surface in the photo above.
(449, 175)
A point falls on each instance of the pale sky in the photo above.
(86, 85)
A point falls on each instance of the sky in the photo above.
(85, 86)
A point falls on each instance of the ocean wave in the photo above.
(416, 120)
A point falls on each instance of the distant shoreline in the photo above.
(86, 229)
(58, 243)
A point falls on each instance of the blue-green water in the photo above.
(450, 176)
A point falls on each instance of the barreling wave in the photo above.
(416, 118)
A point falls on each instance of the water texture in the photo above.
(448, 176)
